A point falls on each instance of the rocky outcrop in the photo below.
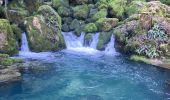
(44, 30)
(146, 33)
(9, 69)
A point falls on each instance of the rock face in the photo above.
(44, 30)
(147, 33)
(7, 40)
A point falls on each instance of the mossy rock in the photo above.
(135, 7)
(88, 39)
(44, 30)
(100, 14)
(65, 28)
(76, 24)
(102, 4)
(104, 38)
(17, 32)
(32, 5)
(106, 24)
(78, 2)
(5, 60)
(17, 11)
(67, 20)
(8, 43)
(117, 8)
(90, 28)
(58, 3)
(81, 11)
(64, 11)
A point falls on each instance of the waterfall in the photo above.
(26, 53)
(75, 43)
(110, 49)
(94, 40)
(24, 43)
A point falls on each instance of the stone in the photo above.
(44, 29)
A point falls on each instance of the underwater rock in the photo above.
(9, 75)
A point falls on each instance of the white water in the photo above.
(24, 44)
(95, 41)
(74, 43)
(110, 49)
(26, 53)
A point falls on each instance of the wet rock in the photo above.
(9, 75)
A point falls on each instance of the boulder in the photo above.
(64, 11)
(8, 42)
(81, 11)
(104, 38)
(44, 30)
(90, 28)
(106, 24)
(78, 2)
(100, 14)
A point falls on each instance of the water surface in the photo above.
(84, 77)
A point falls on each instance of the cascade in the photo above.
(110, 49)
(75, 43)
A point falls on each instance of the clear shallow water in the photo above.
(77, 77)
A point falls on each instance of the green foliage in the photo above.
(156, 33)
(89, 28)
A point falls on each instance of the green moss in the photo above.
(89, 28)
(100, 14)
(81, 11)
(140, 59)
(64, 11)
(103, 40)
(6, 61)
(88, 37)
(17, 32)
(117, 7)
(106, 24)
(9, 45)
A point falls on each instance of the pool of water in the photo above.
(84, 77)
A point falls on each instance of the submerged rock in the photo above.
(9, 75)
